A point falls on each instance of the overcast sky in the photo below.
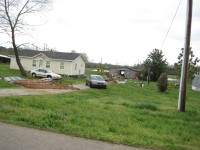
(118, 31)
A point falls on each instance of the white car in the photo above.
(174, 80)
(44, 73)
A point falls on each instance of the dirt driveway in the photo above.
(27, 91)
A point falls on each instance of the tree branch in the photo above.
(20, 13)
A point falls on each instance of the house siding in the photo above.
(78, 69)
(26, 63)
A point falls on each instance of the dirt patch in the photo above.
(45, 83)
(32, 91)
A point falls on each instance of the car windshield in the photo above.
(97, 78)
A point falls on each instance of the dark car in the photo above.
(96, 81)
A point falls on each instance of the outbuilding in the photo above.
(196, 83)
(4, 59)
(126, 72)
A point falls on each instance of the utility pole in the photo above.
(148, 78)
(184, 70)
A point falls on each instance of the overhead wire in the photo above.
(171, 24)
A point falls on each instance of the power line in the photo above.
(171, 24)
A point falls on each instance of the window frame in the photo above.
(75, 66)
(34, 63)
(62, 65)
(48, 64)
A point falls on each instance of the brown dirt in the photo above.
(44, 83)
(33, 91)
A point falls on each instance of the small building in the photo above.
(196, 83)
(126, 72)
(4, 59)
(71, 64)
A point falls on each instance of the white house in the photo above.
(59, 62)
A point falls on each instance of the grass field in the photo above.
(123, 113)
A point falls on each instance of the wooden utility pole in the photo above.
(184, 71)
(148, 78)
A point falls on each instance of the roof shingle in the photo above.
(49, 54)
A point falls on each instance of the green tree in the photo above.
(192, 64)
(162, 82)
(155, 64)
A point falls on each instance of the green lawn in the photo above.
(6, 72)
(123, 113)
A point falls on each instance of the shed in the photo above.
(4, 59)
(127, 72)
(196, 83)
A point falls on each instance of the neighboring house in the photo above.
(127, 72)
(71, 64)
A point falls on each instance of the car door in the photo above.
(40, 73)
(43, 73)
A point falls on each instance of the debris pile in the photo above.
(12, 79)
(45, 83)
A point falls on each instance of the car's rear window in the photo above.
(97, 78)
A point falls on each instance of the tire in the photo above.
(34, 75)
(48, 76)
(104, 87)
(91, 86)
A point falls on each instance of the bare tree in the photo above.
(13, 20)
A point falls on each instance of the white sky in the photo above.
(120, 32)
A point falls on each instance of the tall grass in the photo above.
(123, 113)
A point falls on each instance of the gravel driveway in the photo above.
(27, 91)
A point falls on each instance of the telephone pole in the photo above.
(184, 70)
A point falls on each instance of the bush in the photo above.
(162, 82)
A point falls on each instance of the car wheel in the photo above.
(48, 76)
(104, 87)
(33, 75)
(91, 86)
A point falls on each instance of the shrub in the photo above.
(162, 82)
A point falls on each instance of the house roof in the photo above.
(49, 54)
(4, 56)
(123, 68)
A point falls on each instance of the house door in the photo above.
(41, 64)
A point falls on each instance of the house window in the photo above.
(61, 65)
(47, 64)
(34, 63)
(75, 66)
